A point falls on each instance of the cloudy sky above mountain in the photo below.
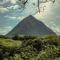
(11, 14)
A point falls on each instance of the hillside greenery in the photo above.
(37, 48)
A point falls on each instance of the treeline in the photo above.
(16, 37)
(3, 36)
(23, 37)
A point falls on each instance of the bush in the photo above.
(2, 36)
(16, 37)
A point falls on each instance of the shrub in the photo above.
(15, 37)
(2, 36)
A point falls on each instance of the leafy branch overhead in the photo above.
(24, 3)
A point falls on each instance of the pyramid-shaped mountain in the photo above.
(30, 26)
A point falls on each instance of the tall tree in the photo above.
(24, 2)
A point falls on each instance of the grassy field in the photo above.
(39, 48)
(10, 43)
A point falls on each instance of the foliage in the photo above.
(16, 37)
(2, 36)
(39, 48)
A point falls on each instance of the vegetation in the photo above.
(2, 36)
(39, 48)
(23, 37)
(24, 3)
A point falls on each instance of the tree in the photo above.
(16, 37)
(24, 3)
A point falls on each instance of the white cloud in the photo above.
(16, 7)
(58, 16)
(10, 17)
(21, 17)
(4, 30)
(13, 1)
(13, 7)
(3, 9)
(15, 18)
(56, 29)
(3, 1)
(44, 10)
(6, 1)
(52, 25)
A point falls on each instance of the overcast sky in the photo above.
(11, 14)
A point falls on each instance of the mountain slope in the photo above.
(30, 27)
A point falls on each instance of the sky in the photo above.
(11, 14)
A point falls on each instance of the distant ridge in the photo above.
(30, 26)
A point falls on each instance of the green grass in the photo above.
(10, 43)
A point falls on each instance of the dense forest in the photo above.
(30, 48)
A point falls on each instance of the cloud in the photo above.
(10, 17)
(3, 9)
(15, 18)
(13, 1)
(44, 10)
(5, 30)
(56, 29)
(58, 16)
(52, 25)
(13, 7)
(6, 1)
(21, 17)
(3, 1)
